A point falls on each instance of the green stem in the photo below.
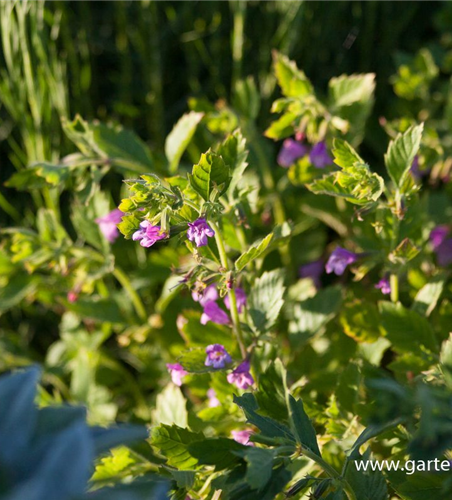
(239, 9)
(331, 471)
(134, 297)
(394, 284)
(232, 298)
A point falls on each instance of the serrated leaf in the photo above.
(357, 184)
(265, 300)
(173, 442)
(293, 81)
(406, 329)
(312, 314)
(234, 153)
(259, 466)
(361, 321)
(219, 452)
(303, 428)
(344, 154)
(404, 252)
(401, 153)
(349, 89)
(253, 253)
(368, 433)
(269, 427)
(370, 485)
(211, 172)
(179, 138)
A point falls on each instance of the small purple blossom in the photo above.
(442, 245)
(339, 260)
(148, 234)
(241, 376)
(240, 297)
(177, 372)
(198, 232)
(312, 270)
(213, 400)
(108, 224)
(290, 152)
(213, 312)
(209, 294)
(319, 156)
(384, 286)
(217, 356)
(242, 437)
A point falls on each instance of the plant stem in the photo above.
(331, 471)
(232, 298)
(135, 298)
(394, 284)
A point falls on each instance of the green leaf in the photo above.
(234, 153)
(357, 184)
(417, 486)
(271, 395)
(401, 153)
(293, 82)
(404, 252)
(253, 253)
(446, 360)
(102, 310)
(210, 173)
(114, 465)
(173, 442)
(179, 138)
(128, 225)
(370, 485)
(344, 154)
(282, 127)
(259, 466)
(303, 428)
(219, 452)
(266, 300)
(312, 314)
(193, 361)
(406, 329)
(361, 321)
(269, 427)
(428, 296)
(349, 89)
(171, 407)
(39, 175)
(19, 287)
(183, 478)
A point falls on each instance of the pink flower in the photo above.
(213, 400)
(72, 296)
(198, 232)
(319, 156)
(209, 294)
(108, 224)
(339, 260)
(177, 373)
(241, 376)
(148, 234)
(217, 356)
(242, 437)
(290, 152)
(384, 286)
(240, 297)
(213, 312)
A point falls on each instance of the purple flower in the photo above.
(290, 152)
(339, 260)
(198, 232)
(217, 356)
(213, 400)
(177, 372)
(312, 270)
(442, 245)
(319, 156)
(242, 437)
(108, 224)
(213, 312)
(384, 286)
(241, 376)
(416, 171)
(148, 234)
(240, 297)
(438, 235)
(209, 294)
